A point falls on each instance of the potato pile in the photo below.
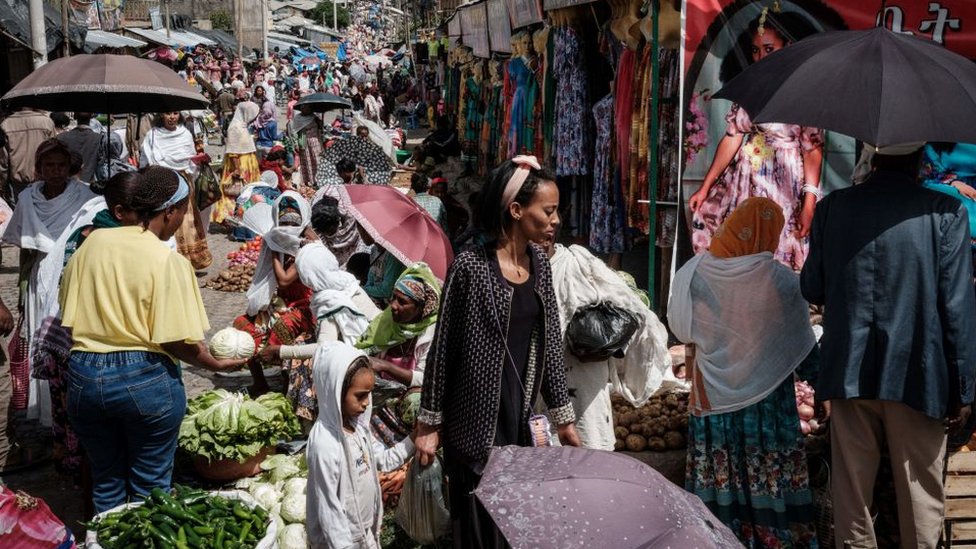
(235, 278)
(659, 425)
(237, 275)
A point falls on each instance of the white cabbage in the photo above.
(294, 486)
(232, 343)
(265, 494)
(293, 508)
(293, 536)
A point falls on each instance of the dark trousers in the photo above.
(471, 525)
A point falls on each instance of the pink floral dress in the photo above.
(769, 164)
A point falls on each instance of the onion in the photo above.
(805, 428)
(814, 425)
(805, 411)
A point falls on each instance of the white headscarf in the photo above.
(239, 140)
(279, 239)
(749, 323)
(333, 289)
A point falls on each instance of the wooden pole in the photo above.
(66, 44)
(166, 16)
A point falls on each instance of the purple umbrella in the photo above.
(561, 497)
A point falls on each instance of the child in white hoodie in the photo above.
(344, 502)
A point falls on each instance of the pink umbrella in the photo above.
(556, 497)
(399, 225)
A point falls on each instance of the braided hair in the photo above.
(121, 189)
(158, 185)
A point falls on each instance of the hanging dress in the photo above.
(572, 131)
(607, 227)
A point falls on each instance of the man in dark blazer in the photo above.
(891, 263)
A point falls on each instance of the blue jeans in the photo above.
(126, 408)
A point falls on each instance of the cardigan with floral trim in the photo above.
(462, 382)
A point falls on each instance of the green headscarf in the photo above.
(103, 220)
(383, 332)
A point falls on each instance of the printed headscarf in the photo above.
(418, 283)
(754, 227)
(419, 290)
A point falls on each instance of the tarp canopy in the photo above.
(224, 39)
(15, 23)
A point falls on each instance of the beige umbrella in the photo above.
(110, 84)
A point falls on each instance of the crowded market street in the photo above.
(540, 274)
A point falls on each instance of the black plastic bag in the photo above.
(600, 331)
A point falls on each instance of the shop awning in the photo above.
(157, 37)
(192, 38)
(96, 39)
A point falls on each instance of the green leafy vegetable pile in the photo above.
(224, 425)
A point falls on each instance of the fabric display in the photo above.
(579, 99)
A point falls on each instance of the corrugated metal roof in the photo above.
(101, 39)
(293, 40)
(157, 37)
(192, 39)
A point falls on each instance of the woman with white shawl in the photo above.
(240, 159)
(278, 303)
(751, 329)
(580, 279)
(47, 213)
(344, 505)
(171, 145)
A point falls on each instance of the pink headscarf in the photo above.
(266, 115)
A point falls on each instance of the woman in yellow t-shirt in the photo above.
(134, 309)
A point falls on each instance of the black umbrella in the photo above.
(110, 84)
(362, 152)
(875, 85)
(323, 102)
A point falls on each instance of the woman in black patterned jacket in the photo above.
(498, 345)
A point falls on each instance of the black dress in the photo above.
(473, 527)
(525, 311)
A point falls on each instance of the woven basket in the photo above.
(229, 469)
(19, 368)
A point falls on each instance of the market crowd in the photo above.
(111, 226)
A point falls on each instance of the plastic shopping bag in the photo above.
(27, 522)
(422, 511)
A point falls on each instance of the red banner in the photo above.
(948, 22)
(719, 44)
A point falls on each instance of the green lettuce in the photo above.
(223, 425)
